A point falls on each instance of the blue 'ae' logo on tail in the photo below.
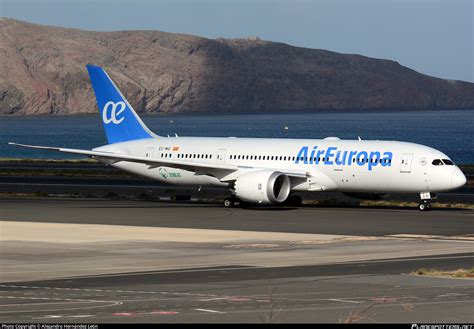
(113, 116)
(121, 122)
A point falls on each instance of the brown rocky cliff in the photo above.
(43, 72)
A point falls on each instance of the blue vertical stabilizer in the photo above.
(121, 122)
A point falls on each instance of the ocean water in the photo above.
(451, 132)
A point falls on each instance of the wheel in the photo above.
(428, 205)
(422, 206)
(228, 203)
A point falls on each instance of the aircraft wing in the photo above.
(153, 162)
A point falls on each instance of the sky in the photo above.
(434, 37)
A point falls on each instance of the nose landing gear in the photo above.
(425, 204)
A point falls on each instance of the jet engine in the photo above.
(263, 186)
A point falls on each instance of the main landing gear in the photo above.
(292, 201)
(232, 202)
(425, 204)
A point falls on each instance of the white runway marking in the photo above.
(452, 294)
(206, 310)
(344, 301)
(115, 291)
(212, 299)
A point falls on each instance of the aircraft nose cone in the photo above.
(458, 179)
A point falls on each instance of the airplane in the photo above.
(264, 170)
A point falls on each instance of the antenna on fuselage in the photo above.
(359, 138)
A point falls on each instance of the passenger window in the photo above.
(437, 162)
(448, 162)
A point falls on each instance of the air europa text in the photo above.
(332, 156)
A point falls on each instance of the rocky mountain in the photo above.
(43, 71)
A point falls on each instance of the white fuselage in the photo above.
(330, 164)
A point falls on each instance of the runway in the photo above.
(317, 220)
(322, 294)
(66, 260)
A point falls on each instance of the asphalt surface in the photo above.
(363, 291)
(375, 290)
(318, 220)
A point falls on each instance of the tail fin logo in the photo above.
(116, 109)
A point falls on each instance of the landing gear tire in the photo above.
(229, 203)
(424, 206)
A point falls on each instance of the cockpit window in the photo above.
(437, 162)
(448, 162)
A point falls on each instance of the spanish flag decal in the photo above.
(175, 148)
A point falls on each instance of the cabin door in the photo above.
(149, 152)
(221, 156)
(405, 165)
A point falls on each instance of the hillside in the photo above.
(43, 72)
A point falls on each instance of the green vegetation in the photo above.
(385, 204)
(388, 203)
(459, 273)
(69, 172)
(20, 160)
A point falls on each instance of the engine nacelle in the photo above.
(263, 186)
